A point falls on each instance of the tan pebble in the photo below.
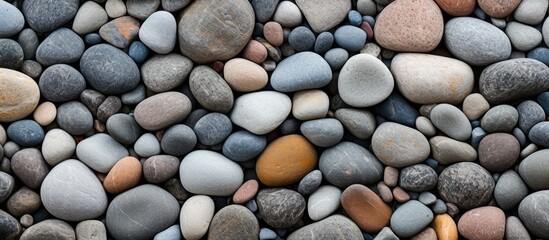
(385, 192)
(390, 176)
(244, 75)
(45, 113)
(310, 104)
(400, 195)
(99, 126)
(427, 234)
(474, 106)
(19, 95)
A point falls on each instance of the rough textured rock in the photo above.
(333, 227)
(49, 229)
(162, 73)
(482, 223)
(457, 7)
(43, 16)
(498, 8)
(418, 178)
(234, 222)
(20, 95)
(280, 207)
(211, 90)
(466, 184)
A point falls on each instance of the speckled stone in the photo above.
(501, 118)
(74, 126)
(510, 190)
(61, 46)
(361, 123)
(43, 16)
(162, 73)
(210, 89)
(178, 140)
(279, 207)
(12, 54)
(61, 83)
(234, 222)
(466, 184)
(399, 146)
(418, 178)
(498, 152)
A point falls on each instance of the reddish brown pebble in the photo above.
(124, 175)
(483, 223)
(498, 152)
(273, 33)
(368, 29)
(390, 176)
(400, 195)
(457, 7)
(498, 8)
(366, 208)
(218, 66)
(255, 52)
(246, 192)
(427, 234)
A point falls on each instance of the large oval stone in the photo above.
(280, 207)
(10, 229)
(475, 41)
(162, 110)
(533, 211)
(286, 160)
(304, 70)
(452, 121)
(210, 173)
(61, 46)
(399, 146)
(410, 26)
(333, 227)
(109, 70)
(410, 218)
(466, 184)
(513, 80)
(366, 208)
(46, 16)
(428, 79)
(68, 188)
(49, 229)
(215, 30)
(19, 95)
(533, 170)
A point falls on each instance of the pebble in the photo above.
(384, 192)
(31, 68)
(287, 14)
(45, 113)
(142, 10)
(172, 106)
(464, 38)
(57, 146)
(531, 12)
(90, 17)
(410, 218)
(457, 8)
(399, 27)
(514, 229)
(12, 20)
(246, 192)
(28, 40)
(391, 176)
(264, 9)
(348, 163)
(452, 121)
(255, 52)
(286, 161)
(323, 202)
(350, 38)
(519, 135)
(532, 211)
(427, 234)
(49, 229)
(21, 93)
(400, 195)
(242, 146)
(210, 44)
(171, 233)
(91, 230)
(310, 104)
(159, 32)
(427, 198)
(74, 126)
(29, 166)
(265, 233)
(100, 152)
(359, 122)
(210, 173)
(324, 16)
(333, 227)
(42, 16)
(324, 42)
(538, 134)
(445, 227)
(244, 75)
(418, 178)
(61, 83)
(336, 57)
(11, 229)
(108, 108)
(174, 5)
(361, 86)
(141, 212)
(447, 151)
(26, 220)
(522, 36)
(310, 182)
(397, 109)
(465, 184)
(528, 150)
(475, 106)
(213, 129)
(162, 73)
(498, 151)
(160, 168)
(501, 118)
(439, 207)
(195, 217)
(540, 53)
(123, 128)
(425, 126)
(513, 80)
(510, 190)
(26, 133)
(280, 207)
(12, 56)
(260, 112)
(301, 71)
(138, 52)
(178, 140)
(92, 99)
(301, 39)
(436, 80)
(323, 132)
(498, 9)
(482, 223)
(357, 199)
(64, 198)
(10, 148)
(7, 184)
(124, 175)
(532, 170)
(234, 221)
(61, 46)
(211, 90)
(392, 142)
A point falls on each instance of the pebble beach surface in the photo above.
(274, 119)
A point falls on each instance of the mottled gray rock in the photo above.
(466, 184)
(61, 46)
(108, 108)
(159, 32)
(305, 70)
(49, 229)
(178, 140)
(336, 57)
(159, 168)
(100, 152)
(398, 146)
(90, 17)
(10, 229)
(142, 9)
(123, 128)
(29, 42)
(264, 9)
(539, 134)
(261, 112)
(501, 118)
(174, 5)
(141, 213)
(418, 178)
(333, 227)
(109, 70)
(162, 110)
(58, 145)
(321, 15)
(134, 96)
(213, 128)
(92, 99)
(67, 120)
(12, 20)
(210, 89)
(73, 200)
(147, 145)
(348, 163)
(45, 16)
(323, 132)
(410, 218)
(533, 170)
(359, 122)
(32, 68)
(510, 190)
(514, 229)
(29, 166)
(91, 230)
(61, 83)
(242, 146)
(12, 54)
(7, 184)
(452, 121)
(234, 222)
(279, 207)
(533, 211)
(162, 73)
(530, 113)
(475, 41)
(310, 182)
(513, 80)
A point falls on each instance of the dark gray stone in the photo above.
(410, 218)
(466, 184)
(290, 126)
(476, 136)
(178, 140)
(301, 39)
(211, 90)
(28, 40)
(194, 116)
(348, 163)
(61, 83)
(162, 73)
(174, 5)
(310, 182)
(26, 133)
(12, 54)
(513, 80)
(304, 70)
(109, 70)
(350, 38)
(10, 229)
(61, 46)
(534, 212)
(324, 42)
(92, 99)
(533, 170)
(264, 9)
(279, 207)
(501, 118)
(213, 128)
(333, 227)
(31, 68)
(29, 166)
(109, 107)
(519, 135)
(242, 146)
(74, 118)
(397, 109)
(323, 132)
(234, 222)
(510, 190)
(543, 101)
(134, 96)
(7, 184)
(418, 178)
(49, 229)
(142, 9)
(336, 57)
(123, 128)
(160, 168)
(539, 134)
(46, 16)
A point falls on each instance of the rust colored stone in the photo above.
(445, 227)
(124, 175)
(366, 208)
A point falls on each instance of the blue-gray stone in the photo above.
(510, 190)
(533, 211)
(252, 205)
(134, 96)
(397, 109)
(301, 39)
(439, 207)
(61, 83)
(370, 20)
(304, 70)
(174, 5)
(10, 229)
(61, 46)
(541, 54)
(350, 38)
(141, 212)
(310, 182)
(242, 146)
(264, 9)
(29, 42)
(476, 136)
(100, 152)
(213, 128)
(7, 184)
(466, 38)
(418, 178)
(11, 20)
(290, 126)
(501, 118)
(475, 124)
(427, 198)
(267, 234)
(109, 70)
(520, 136)
(410, 218)
(324, 42)
(336, 57)
(539, 134)
(178, 140)
(74, 118)
(26, 133)
(147, 145)
(123, 128)
(194, 116)
(530, 113)
(451, 120)
(138, 52)
(171, 233)
(354, 17)
(12, 54)
(432, 163)
(323, 132)
(92, 39)
(46, 16)
(543, 101)
(513, 80)
(359, 122)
